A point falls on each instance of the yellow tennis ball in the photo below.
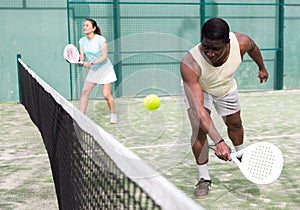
(152, 102)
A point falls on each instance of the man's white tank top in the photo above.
(219, 81)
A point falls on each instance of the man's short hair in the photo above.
(215, 28)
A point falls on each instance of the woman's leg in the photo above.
(86, 90)
(106, 90)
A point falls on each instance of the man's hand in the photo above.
(223, 151)
(263, 75)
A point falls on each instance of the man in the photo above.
(208, 78)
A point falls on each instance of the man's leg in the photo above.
(199, 145)
(229, 108)
(235, 130)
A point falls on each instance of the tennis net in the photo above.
(90, 168)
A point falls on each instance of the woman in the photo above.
(93, 51)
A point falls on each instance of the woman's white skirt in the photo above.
(104, 75)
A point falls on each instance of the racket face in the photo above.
(71, 54)
(262, 163)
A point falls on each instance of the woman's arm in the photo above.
(99, 60)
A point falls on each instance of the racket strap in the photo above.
(219, 142)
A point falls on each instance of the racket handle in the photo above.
(80, 63)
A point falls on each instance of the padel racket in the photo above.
(260, 163)
(71, 54)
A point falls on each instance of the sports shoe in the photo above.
(202, 188)
(113, 119)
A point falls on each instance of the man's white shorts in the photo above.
(225, 106)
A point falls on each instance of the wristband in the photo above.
(92, 63)
(219, 142)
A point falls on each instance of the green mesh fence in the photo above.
(147, 40)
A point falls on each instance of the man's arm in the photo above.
(190, 72)
(247, 45)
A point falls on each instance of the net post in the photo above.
(19, 79)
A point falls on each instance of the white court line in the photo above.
(22, 157)
(275, 137)
(160, 145)
(154, 146)
(247, 138)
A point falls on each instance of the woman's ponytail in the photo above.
(94, 24)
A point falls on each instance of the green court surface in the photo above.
(25, 178)
(161, 138)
